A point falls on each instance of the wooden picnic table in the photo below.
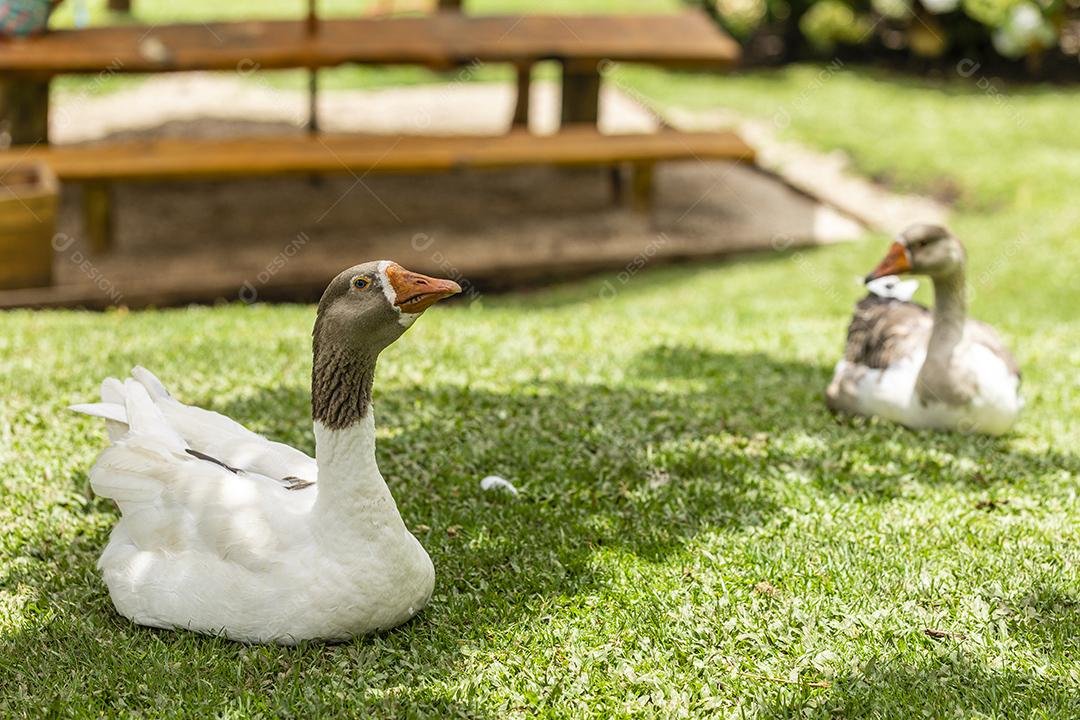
(584, 44)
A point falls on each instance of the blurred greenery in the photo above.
(696, 535)
(975, 29)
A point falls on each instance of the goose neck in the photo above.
(950, 302)
(936, 378)
(352, 492)
(341, 383)
(950, 314)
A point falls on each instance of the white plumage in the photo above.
(891, 286)
(494, 482)
(225, 532)
(202, 547)
(890, 393)
(924, 369)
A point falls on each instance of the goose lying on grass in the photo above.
(921, 369)
(225, 532)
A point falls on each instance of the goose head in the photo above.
(363, 310)
(924, 250)
(367, 307)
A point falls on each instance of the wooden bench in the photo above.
(175, 159)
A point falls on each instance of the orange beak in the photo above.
(414, 293)
(896, 262)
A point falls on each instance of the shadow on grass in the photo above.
(580, 454)
(1050, 616)
(757, 394)
(73, 656)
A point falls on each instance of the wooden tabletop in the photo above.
(439, 41)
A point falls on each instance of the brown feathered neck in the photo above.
(340, 385)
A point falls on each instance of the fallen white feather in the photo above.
(494, 482)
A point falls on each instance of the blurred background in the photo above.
(244, 148)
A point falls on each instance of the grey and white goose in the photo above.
(225, 532)
(920, 368)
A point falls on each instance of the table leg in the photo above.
(123, 6)
(313, 102)
(580, 95)
(641, 184)
(26, 105)
(97, 217)
(615, 179)
(521, 108)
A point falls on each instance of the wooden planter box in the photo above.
(28, 198)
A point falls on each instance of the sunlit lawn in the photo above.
(695, 534)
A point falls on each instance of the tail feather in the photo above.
(133, 470)
(128, 408)
(112, 391)
(115, 395)
(149, 381)
(107, 410)
(111, 408)
(145, 418)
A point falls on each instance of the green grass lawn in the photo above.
(696, 534)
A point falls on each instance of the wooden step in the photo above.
(299, 154)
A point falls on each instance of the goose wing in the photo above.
(985, 335)
(209, 436)
(884, 330)
(173, 501)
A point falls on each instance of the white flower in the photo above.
(1025, 29)
(896, 9)
(1025, 20)
(1007, 44)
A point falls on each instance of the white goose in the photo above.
(225, 532)
(921, 369)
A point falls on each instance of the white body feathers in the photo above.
(218, 542)
(890, 393)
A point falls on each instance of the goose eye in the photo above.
(360, 283)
